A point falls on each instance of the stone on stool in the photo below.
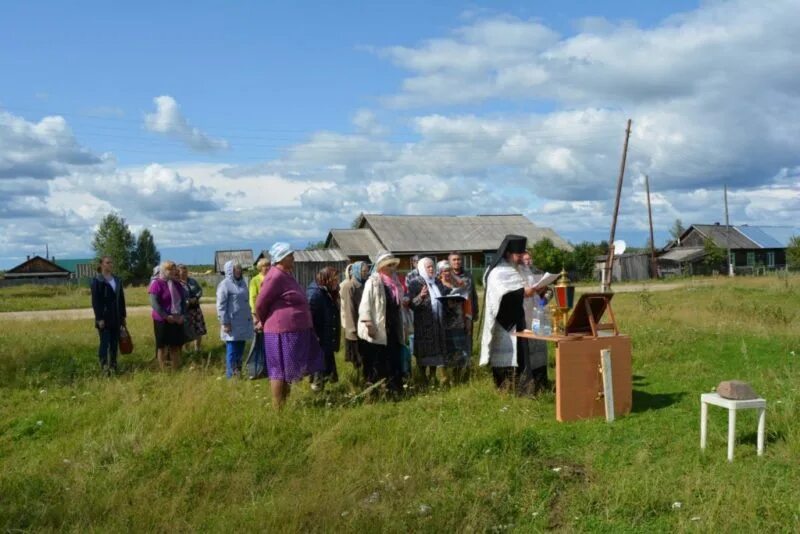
(735, 390)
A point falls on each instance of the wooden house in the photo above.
(35, 268)
(476, 237)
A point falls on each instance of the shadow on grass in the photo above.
(643, 401)
(751, 438)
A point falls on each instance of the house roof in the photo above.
(769, 236)
(682, 254)
(721, 236)
(354, 243)
(744, 236)
(72, 264)
(324, 255)
(428, 234)
(245, 257)
(36, 266)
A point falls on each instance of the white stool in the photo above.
(732, 406)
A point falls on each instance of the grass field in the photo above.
(32, 297)
(190, 451)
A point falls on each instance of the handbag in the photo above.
(125, 341)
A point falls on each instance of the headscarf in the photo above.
(355, 271)
(433, 289)
(348, 271)
(279, 250)
(174, 293)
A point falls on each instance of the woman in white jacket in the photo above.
(380, 324)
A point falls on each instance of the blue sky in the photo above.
(281, 120)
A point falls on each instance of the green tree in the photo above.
(793, 252)
(677, 229)
(548, 257)
(315, 245)
(715, 255)
(145, 255)
(584, 257)
(114, 238)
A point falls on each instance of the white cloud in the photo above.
(168, 120)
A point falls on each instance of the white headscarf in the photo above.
(433, 289)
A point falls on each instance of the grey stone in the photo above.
(736, 390)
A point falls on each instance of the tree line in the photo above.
(134, 256)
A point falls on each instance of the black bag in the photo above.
(256, 359)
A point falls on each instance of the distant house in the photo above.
(476, 237)
(245, 257)
(627, 267)
(78, 268)
(37, 268)
(752, 247)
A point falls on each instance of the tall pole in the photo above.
(610, 259)
(728, 233)
(653, 265)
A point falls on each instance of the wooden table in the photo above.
(579, 382)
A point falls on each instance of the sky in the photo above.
(233, 125)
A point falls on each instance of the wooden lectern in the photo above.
(579, 379)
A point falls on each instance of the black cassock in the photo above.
(512, 314)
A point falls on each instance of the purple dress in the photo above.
(292, 349)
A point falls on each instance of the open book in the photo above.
(546, 280)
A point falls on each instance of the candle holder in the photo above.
(563, 302)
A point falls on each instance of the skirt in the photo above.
(293, 355)
(197, 322)
(168, 334)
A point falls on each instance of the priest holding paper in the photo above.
(506, 290)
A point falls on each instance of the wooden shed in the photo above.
(244, 257)
(307, 263)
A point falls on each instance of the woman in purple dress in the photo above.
(292, 348)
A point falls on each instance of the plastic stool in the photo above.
(732, 406)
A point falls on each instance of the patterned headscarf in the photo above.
(355, 271)
(279, 250)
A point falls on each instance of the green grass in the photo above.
(187, 451)
(31, 297)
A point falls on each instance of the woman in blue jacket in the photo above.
(235, 318)
(108, 302)
(323, 298)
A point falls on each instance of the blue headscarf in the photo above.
(355, 271)
(278, 251)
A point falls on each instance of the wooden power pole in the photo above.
(653, 264)
(728, 233)
(610, 260)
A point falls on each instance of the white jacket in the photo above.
(373, 308)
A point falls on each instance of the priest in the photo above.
(504, 314)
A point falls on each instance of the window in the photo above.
(751, 259)
(489, 258)
(770, 259)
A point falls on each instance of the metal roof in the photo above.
(353, 243)
(428, 234)
(769, 236)
(245, 257)
(323, 255)
(681, 254)
(719, 234)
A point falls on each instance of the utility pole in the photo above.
(610, 260)
(653, 264)
(728, 233)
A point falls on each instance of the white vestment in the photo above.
(499, 346)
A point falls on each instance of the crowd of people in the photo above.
(385, 317)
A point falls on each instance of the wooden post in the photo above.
(610, 261)
(728, 233)
(653, 264)
(608, 384)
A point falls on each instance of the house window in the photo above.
(751, 259)
(770, 259)
(489, 258)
